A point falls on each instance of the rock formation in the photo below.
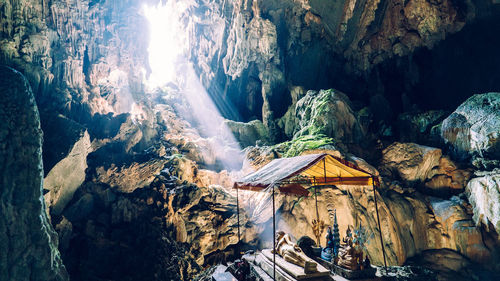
(27, 240)
(416, 164)
(68, 173)
(324, 112)
(484, 195)
(473, 127)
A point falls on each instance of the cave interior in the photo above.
(124, 125)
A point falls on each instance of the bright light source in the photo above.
(168, 46)
(167, 42)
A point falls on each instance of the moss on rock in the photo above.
(303, 143)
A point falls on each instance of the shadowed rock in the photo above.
(28, 244)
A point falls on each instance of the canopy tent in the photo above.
(317, 169)
(290, 174)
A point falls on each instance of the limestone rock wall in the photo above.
(77, 52)
(314, 44)
(28, 243)
(484, 195)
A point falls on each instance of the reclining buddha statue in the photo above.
(292, 253)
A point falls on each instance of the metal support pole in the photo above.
(238, 217)
(274, 238)
(317, 212)
(379, 227)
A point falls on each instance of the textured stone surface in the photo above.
(28, 243)
(310, 44)
(409, 161)
(128, 178)
(67, 175)
(422, 165)
(473, 127)
(76, 51)
(117, 236)
(484, 196)
(249, 133)
(326, 112)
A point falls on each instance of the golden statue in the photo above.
(292, 253)
(351, 254)
(318, 226)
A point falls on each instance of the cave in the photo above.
(136, 138)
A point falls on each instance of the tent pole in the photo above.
(274, 238)
(238, 216)
(317, 212)
(379, 227)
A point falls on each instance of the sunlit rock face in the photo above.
(28, 242)
(484, 195)
(422, 165)
(77, 52)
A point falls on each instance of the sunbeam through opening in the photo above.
(168, 49)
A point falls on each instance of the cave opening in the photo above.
(168, 41)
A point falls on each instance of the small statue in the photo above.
(292, 253)
(347, 258)
(327, 252)
(348, 236)
(318, 226)
(351, 255)
(329, 237)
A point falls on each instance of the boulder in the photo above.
(456, 229)
(423, 166)
(409, 161)
(128, 178)
(484, 195)
(473, 127)
(28, 243)
(68, 174)
(249, 133)
(327, 112)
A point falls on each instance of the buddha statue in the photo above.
(350, 254)
(292, 253)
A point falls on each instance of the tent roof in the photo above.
(318, 169)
